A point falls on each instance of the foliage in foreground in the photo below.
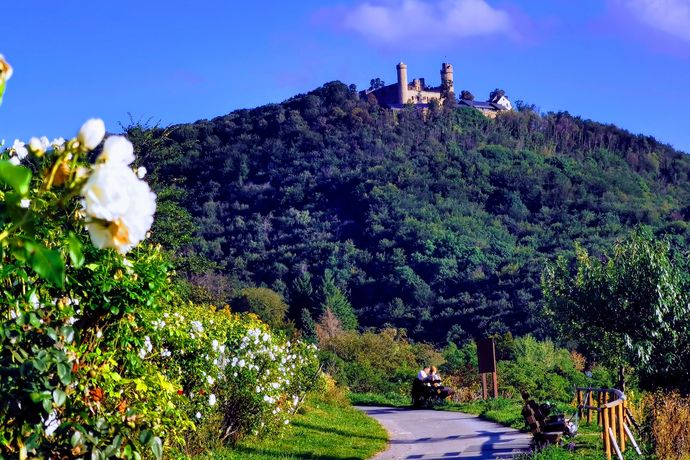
(98, 355)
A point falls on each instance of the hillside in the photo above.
(441, 226)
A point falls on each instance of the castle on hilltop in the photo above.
(398, 94)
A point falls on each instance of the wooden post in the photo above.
(613, 419)
(621, 423)
(485, 396)
(607, 441)
(495, 377)
(579, 404)
(598, 409)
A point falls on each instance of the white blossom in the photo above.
(117, 149)
(19, 149)
(121, 207)
(25, 203)
(91, 133)
(211, 399)
(141, 172)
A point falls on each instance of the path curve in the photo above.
(443, 435)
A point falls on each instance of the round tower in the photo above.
(447, 77)
(402, 82)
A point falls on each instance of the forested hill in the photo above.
(441, 226)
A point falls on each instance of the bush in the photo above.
(375, 362)
(667, 421)
(75, 332)
(265, 303)
(98, 355)
(540, 368)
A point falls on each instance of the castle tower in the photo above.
(402, 82)
(446, 77)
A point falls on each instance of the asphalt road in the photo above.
(442, 435)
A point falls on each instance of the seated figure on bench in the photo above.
(442, 391)
(548, 423)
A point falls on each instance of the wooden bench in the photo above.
(542, 433)
(425, 395)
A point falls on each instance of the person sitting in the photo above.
(435, 379)
(423, 375)
(420, 387)
(549, 423)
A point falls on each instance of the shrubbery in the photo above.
(99, 357)
(371, 362)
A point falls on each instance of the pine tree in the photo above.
(333, 299)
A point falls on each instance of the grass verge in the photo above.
(321, 431)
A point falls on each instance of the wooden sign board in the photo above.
(486, 355)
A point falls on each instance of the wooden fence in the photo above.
(612, 414)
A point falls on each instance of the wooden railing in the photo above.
(612, 414)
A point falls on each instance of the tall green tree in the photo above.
(629, 308)
(333, 299)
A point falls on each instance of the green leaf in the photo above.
(47, 263)
(3, 84)
(39, 365)
(59, 397)
(64, 373)
(75, 253)
(76, 438)
(157, 447)
(47, 405)
(145, 437)
(17, 177)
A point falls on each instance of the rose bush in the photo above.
(99, 357)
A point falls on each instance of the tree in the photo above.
(496, 94)
(333, 299)
(466, 95)
(265, 303)
(376, 83)
(631, 307)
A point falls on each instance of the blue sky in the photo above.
(620, 61)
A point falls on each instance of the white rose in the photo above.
(122, 207)
(117, 149)
(107, 191)
(91, 133)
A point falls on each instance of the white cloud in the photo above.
(670, 16)
(421, 23)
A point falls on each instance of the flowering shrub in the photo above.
(97, 355)
(232, 367)
(72, 380)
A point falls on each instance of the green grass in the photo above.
(322, 431)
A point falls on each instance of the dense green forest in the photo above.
(440, 223)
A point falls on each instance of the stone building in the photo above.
(416, 92)
(398, 94)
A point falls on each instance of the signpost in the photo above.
(486, 355)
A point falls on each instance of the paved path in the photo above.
(442, 435)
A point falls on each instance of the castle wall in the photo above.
(423, 97)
